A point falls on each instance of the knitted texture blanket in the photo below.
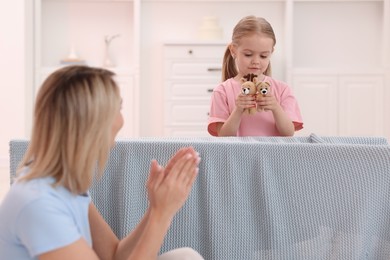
(259, 197)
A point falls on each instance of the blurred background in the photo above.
(167, 56)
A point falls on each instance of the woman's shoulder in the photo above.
(27, 191)
(38, 194)
(39, 189)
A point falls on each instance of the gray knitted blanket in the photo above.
(260, 197)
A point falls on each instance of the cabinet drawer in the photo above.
(192, 69)
(190, 90)
(187, 113)
(192, 51)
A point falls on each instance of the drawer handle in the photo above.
(210, 90)
(214, 69)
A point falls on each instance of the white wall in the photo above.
(13, 105)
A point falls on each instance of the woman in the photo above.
(48, 213)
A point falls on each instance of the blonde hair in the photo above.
(247, 26)
(71, 138)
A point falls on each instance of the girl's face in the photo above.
(252, 55)
(117, 124)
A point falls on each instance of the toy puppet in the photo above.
(248, 87)
(262, 88)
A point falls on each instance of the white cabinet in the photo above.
(339, 65)
(345, 104)
(192, 71)
(317, 98)
(361, 105)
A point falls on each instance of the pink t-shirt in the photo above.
(223, 102)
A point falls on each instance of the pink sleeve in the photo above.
(219, 110)
(290, 105)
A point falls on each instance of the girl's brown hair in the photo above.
(247, 26)
(71, 136)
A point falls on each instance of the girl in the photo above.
(48, 213)
(249, 52)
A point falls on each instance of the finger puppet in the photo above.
(262, 88)
(248, 87)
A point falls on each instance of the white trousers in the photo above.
(184, 253)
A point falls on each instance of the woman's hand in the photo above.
(169, 187)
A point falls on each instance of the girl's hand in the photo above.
(245, 101)
(169, 187)
(267, 102)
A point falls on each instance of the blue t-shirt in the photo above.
(36, 218)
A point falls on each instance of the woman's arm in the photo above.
(78, 250)
(104, 241)
(168, 189)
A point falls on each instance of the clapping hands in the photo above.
(169, 187)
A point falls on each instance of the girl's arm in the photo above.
(283, 123)
(230, 127)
